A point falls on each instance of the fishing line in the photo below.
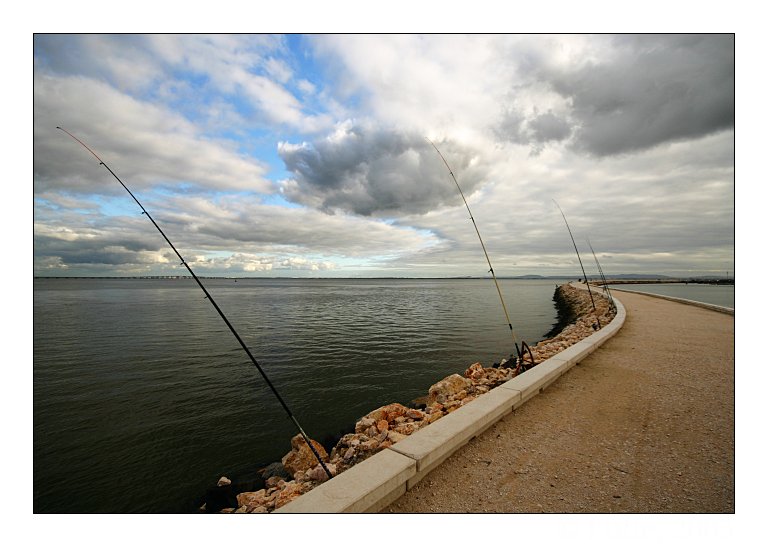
(215, 305)
(487, 258)
(580, 264)
(602, 276)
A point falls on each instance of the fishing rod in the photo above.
(582, 265)
(487, 258)
(602, 275)
(213, 302)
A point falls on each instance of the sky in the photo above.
(308, 155)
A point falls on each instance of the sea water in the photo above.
(142, 398)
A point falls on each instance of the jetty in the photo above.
(644, 424)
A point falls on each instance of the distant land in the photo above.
(625, 279)
(618, 279)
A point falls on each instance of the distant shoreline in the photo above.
(699, 281)
(629, 279)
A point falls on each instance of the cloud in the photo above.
(601, 95)
(651, 90)
(536, 131)
(632, 135)
(676, 199)
(145, 143)
(185, 71)
(246, 263)
(373, 171)
(549, 127)
(228, 234)
(421, 83)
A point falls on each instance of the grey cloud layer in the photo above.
(265, 237)
(647, 90)
(376, 171)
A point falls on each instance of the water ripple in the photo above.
(142, 397)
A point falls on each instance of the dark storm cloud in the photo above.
(638, 92)
(375, 171)
(655, 90)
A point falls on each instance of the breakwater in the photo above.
(298, 471)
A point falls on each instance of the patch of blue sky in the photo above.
(116, 205)
(280, 201)
(262, 147)
(318, 71)
(163, 193)
(302, 59)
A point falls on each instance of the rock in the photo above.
(275, 469)
(387, 412)
(382, 425)
(363, 424)
(318, 474)
(301, 457)
(407, 428)
(436, 415)
(368, 446)
(291, 491)
(474, 371)
(415, 414)
(394, 436)
(251, 499)
(450, 406)
(446, 387)
(224, 481)
(459, 396)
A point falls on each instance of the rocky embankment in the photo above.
(299, 471)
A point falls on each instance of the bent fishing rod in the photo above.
(487, 258)
(580, 264)
(213, 302)
(602, 275)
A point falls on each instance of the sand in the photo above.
(643, 425)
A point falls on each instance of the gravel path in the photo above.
(643, 425)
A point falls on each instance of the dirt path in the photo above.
(643, 425)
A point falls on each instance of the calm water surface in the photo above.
(143, 398)
(719, 295)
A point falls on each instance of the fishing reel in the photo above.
(522, 363)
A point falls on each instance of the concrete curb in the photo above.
(376, 482)
(713, 307)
